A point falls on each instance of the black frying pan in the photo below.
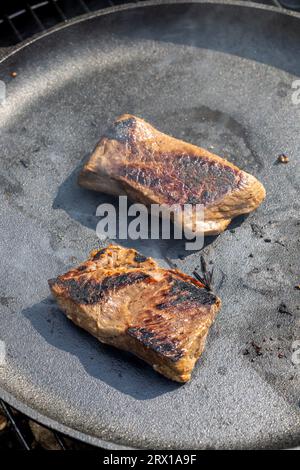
(215, 74)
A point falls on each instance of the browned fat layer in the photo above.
(185, 292)
(189, 179)
(158, 344)
(90, 291)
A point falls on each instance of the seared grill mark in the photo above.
(123, 280)
(160, 345)
(181, 291)
(90, 291)
(189, 179)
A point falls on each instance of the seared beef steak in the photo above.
(137, 160)
(126, 300)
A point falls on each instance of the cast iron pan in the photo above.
(218, 75)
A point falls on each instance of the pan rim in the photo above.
(4, 394)
(131, 6)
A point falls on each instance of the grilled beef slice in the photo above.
(127, 300)
(137, 160)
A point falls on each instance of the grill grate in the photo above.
(21, 433)
(22, 19)
(9, 414)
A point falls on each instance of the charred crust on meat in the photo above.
(122, 130)
(182, 291)
(99, 254)
(158, 344)
(143, 176)
(89, 291)
(190, 179)
(82, 267)
(139, 258)
(123, 280)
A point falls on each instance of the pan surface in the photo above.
(217, 75)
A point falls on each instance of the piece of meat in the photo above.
(137, 160)
(127, 300)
